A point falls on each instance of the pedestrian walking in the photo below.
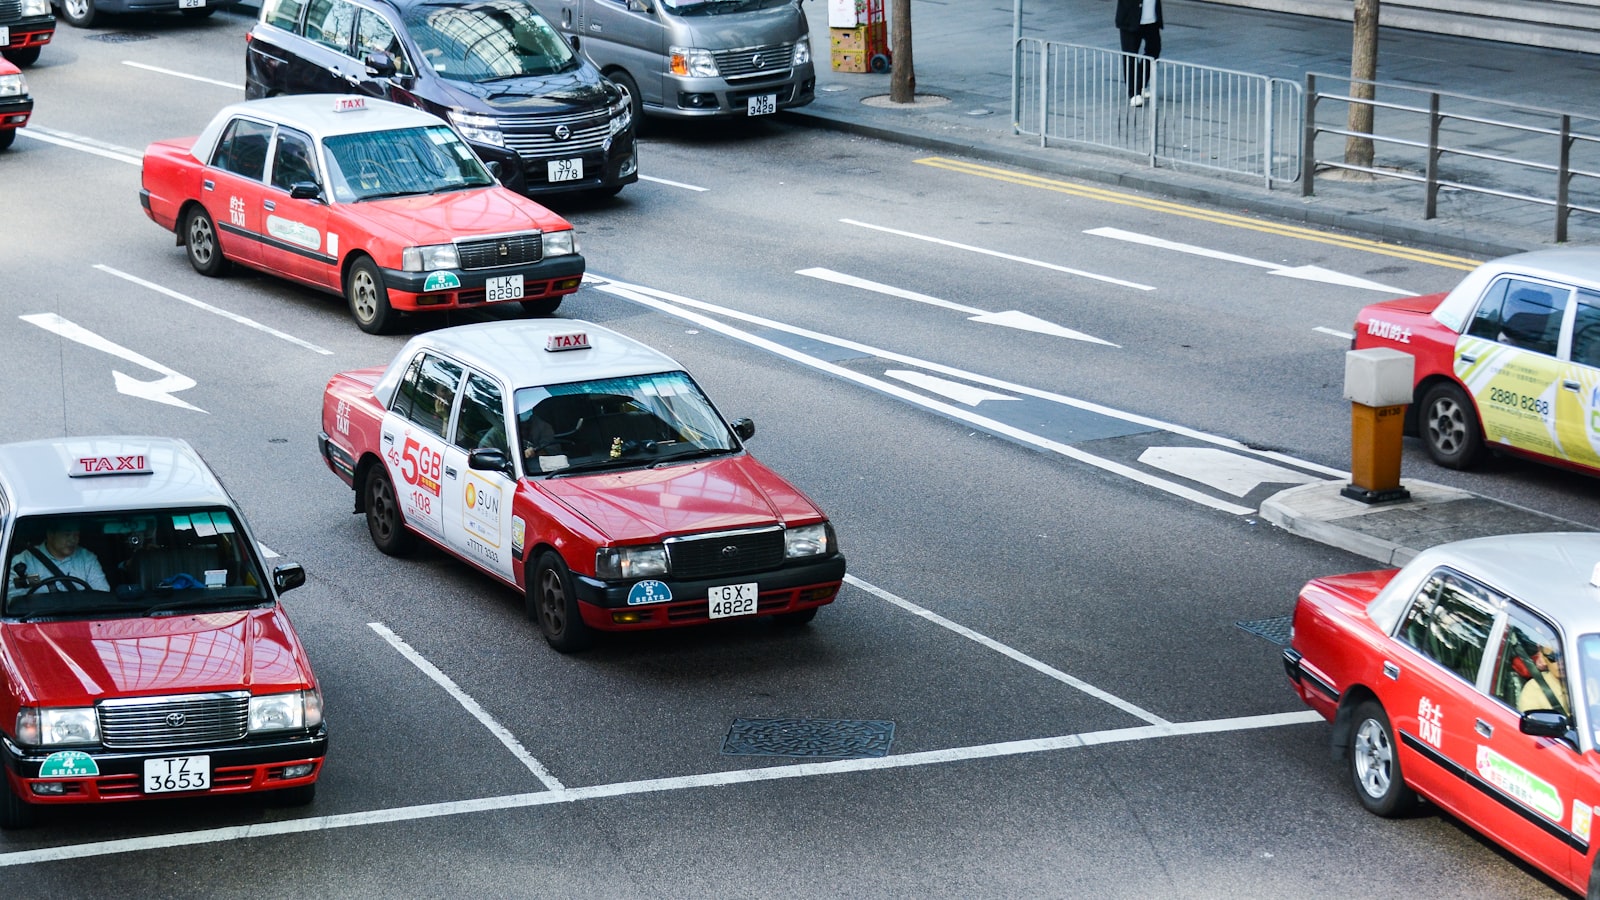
(1139, 23)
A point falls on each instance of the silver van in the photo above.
(694, 58)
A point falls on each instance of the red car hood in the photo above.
(649, 504)
(442, 218)
(76, 663)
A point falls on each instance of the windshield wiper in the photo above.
(685, 456)
(215, 604)
(386, 194)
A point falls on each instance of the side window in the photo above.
(1586, 330)
(283, 13)
(1529, 672)
(482, 423)
(1449, 620)
(292, 160)
(1522, 314)
(374, 35)
(428, 392)
(243, 148)
(328, 23)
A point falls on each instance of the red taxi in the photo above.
(379, 202)
(1509, 360)
(25, 27)
(15, 104)
(582, 468)
(1470, 677)
(143, 651)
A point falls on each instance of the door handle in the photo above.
(1572, 386)
(208, 185)
(1469, 359)
(269, 205)
(1483, 728)
(449, 472)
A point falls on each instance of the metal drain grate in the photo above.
(120, 37)
(809, 738)
(1275, 629)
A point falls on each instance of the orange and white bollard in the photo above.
(1377, 383)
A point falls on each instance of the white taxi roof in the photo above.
(125, 472)
(1549, 572)
(1565, 265)
(316, 114)
(514, 352)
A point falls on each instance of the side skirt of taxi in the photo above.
(1471, 778)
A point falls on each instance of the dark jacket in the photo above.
(1128, 13)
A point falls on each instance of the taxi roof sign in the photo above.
(85, 466)
(349, 104)
(572, 340)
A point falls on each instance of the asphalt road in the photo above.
(1048, 568)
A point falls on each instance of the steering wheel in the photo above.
(66, 579)
(378, 174)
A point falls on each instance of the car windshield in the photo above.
(395, 163)
(127, 564)
(616, 422)
(718, 7)
(488, 40)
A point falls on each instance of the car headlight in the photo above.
(560, 243)
(48, 727)
(35, 7)
(802, 52)
(284, 712)
(688, 61)
(477, 128)
(618, 563)
(808, 540)
(13, 86)
(621, 114)
(430, 257)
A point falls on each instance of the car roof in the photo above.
(1578, 266)
(36, 475)
(318, 115)
(515, 352)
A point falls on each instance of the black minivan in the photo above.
(495, 69)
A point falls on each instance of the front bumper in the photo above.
(14, 111)
(607, 168)
(242, 767)
(690, 97)
(793, 588)
(553, 277)
(34, 31)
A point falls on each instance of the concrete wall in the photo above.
(1556, 24)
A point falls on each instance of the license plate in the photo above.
(506, 287)
(763, 104)
(565, 169)
(5, 35)
(191, 4)
(177, 773)
(733, 600)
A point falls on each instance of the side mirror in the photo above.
(380, 64)
(488, 459)
(744, 428)
(1545, 723)
(305, 190)
(288, 576)
(639, 6)
(494, 168)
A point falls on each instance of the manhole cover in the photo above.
(1275, 629)
(809, 738)
(120, 37)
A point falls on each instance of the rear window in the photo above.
(283, 13)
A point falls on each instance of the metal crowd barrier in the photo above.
(1196, 116)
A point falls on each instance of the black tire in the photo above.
(385, 522)
(364, 290)
(544, 306)
(23, 56)
(553, 603)
(14, 813)
(7, 135)
(636, 100)
(81, 13)
(200, 241)
(795, 619)
(303, 795)
(1448, 423)
(1375, 763)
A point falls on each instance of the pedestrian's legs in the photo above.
(1151, 36)
(1130, 63)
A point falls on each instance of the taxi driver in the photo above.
(58, 563)
(1547, 689)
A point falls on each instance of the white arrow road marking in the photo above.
(955, 390)
(996, 253)
(200, 304)
(1010, 318)
(1227, 472)
(1306, 273)
(83, 145)
(176, 74)
(159, 390)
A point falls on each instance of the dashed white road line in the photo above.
(176, 74)
(1338, 334)
(676, 184)
(996, 253)
(201, 304)
(82, 144)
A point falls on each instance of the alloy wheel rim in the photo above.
(1374, 759)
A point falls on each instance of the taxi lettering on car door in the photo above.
(413, 439)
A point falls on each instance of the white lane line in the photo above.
(1018, 655)
(1304, 273)
(471, 706)
(654, 785)
(176, 74)
(888, 290)
(676, 184)
(201, 304)
(83, 144)
(1338, 334)
(996, 253)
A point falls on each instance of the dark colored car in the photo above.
(495, 69)
(25, 27)
(85, 13)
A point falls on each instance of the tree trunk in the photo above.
(902, 77)
(1363, 65)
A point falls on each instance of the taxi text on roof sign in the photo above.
(110, 465)
(576, 340)
(349, 104)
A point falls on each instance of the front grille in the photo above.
(726, 553)
(509, 250)
(10, 10)
(534, 137)
(177, 721)
(770, 61)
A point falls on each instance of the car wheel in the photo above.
(542, 307)
(1450, 427)
(81, 13)
(14, 813)
(368, 298)
(636, 100)
(553, 602)
(7, 135)
(303, 795)
(23, 56)
(200, 239)
(385, 522)
(1375, 764)
(795, 619)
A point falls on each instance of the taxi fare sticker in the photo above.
(1582, 820)
(1517, 782)
(68, 764)
(649, 591)
(519, 531)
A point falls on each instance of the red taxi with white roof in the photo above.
(379, 202)
(15, 103)
(1471, 677)
(1508, 360)
(143, 651)
(582, 468)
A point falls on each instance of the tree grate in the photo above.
(809, 738)
(1275, 629)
